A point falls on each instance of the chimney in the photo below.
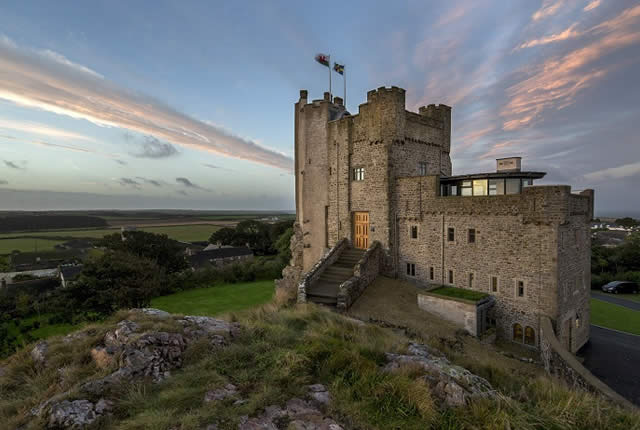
(303, 95)
(327, 96)
(338, 101)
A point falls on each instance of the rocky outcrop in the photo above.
(228, 390)
(297, 414)
(292, 273)
(39, 352)
(139, 354)
(76, 414)
(450, 383)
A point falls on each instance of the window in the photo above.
(431, 273)
(517, 333)
(451, 234)
(470, 280)
(496, 187)
(472, 235)
(513, 186)
(480, 187)
(451, 276)
(414, 232)
(358, 174)
(529, 336)
(520, 290)
(411, 269)
(494, 284)
(466, 188)
(527, 183)
(454, 190)
(422, 168)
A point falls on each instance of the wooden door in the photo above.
(361, 230)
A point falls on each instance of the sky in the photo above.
(189, 105)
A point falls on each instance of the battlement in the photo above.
(435, 111)
(382, 91)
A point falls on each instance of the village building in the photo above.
(219, 256)
(375, 194)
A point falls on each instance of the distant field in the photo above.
(27, 241)
(616, 317)
(27, 245)
(217, 299)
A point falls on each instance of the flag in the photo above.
(338, 68)
(323, 59)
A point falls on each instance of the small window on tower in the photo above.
(411, 269)
(472, 235)
(520, 289)
(494, 284)
(451, 276)
(431, 273)
(470, 280)
(451, 234)
(358, 174)
(414, 232)
(422, 168)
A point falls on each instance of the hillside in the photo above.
(275, 367)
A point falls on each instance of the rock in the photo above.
(228, 390)
(453, 384)
(39, 352)
(153, 312)
(72, 337)
(216, 329)
(319, 394)
(76, 414)
(121, 334)
(239, 402)
(299, 414)
(153, 354)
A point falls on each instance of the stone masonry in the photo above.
(533, 245)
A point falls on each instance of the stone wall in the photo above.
(561, 363)
(365, 273)
(460, 312)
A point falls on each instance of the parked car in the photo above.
(622, 287)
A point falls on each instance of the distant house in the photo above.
(126, 229)
(219, 257)
(69, 274)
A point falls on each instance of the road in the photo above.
(614, 357)
(612, 298)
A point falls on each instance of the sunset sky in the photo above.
(189, 104)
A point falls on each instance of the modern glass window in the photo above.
(411, 269)
(496, 187)
(472, 235)
(414, 232)
(480, 187)
(454, 190)
(358, 174)
(422, 168)
(431, 273)
(494, 284)
(451, 234)
(466, 189)
(527, 183)
(520, 290)
(512, 186)
(451, 276)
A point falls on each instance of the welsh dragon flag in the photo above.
(323, 59)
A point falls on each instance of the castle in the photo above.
(381, 181)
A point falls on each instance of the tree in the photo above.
(165, 252)
(224, 236)
(116, 280)
(627, 222)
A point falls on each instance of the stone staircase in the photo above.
(325, 289)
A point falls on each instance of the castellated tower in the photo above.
(336, 151)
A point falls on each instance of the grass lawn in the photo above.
(459, 293)
(216, 300)
(45, 330)
(616, 317)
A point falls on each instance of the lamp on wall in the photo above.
(577, 320)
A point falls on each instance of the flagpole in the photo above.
(344, 79)
(330, 98)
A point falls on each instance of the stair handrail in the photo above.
(314, 273)
(365, 271)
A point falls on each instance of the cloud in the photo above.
(3, 182)
(548, 8)
(153, 148)
(150, 181)
(43, 130)
(594, 4)
(128, 182)
(187, 183)
(120, 162)
(623, 171)
(182, 192)
(12, 165)
(48, 81)
(569, 33)
(55, 145)
(212, 166)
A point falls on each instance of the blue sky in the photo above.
(190, 104)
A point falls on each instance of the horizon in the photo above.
(190, 107)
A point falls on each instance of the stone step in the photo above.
(333, 269)
(324, 289)
(327, 301)
(345, 265)
(332, 278)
